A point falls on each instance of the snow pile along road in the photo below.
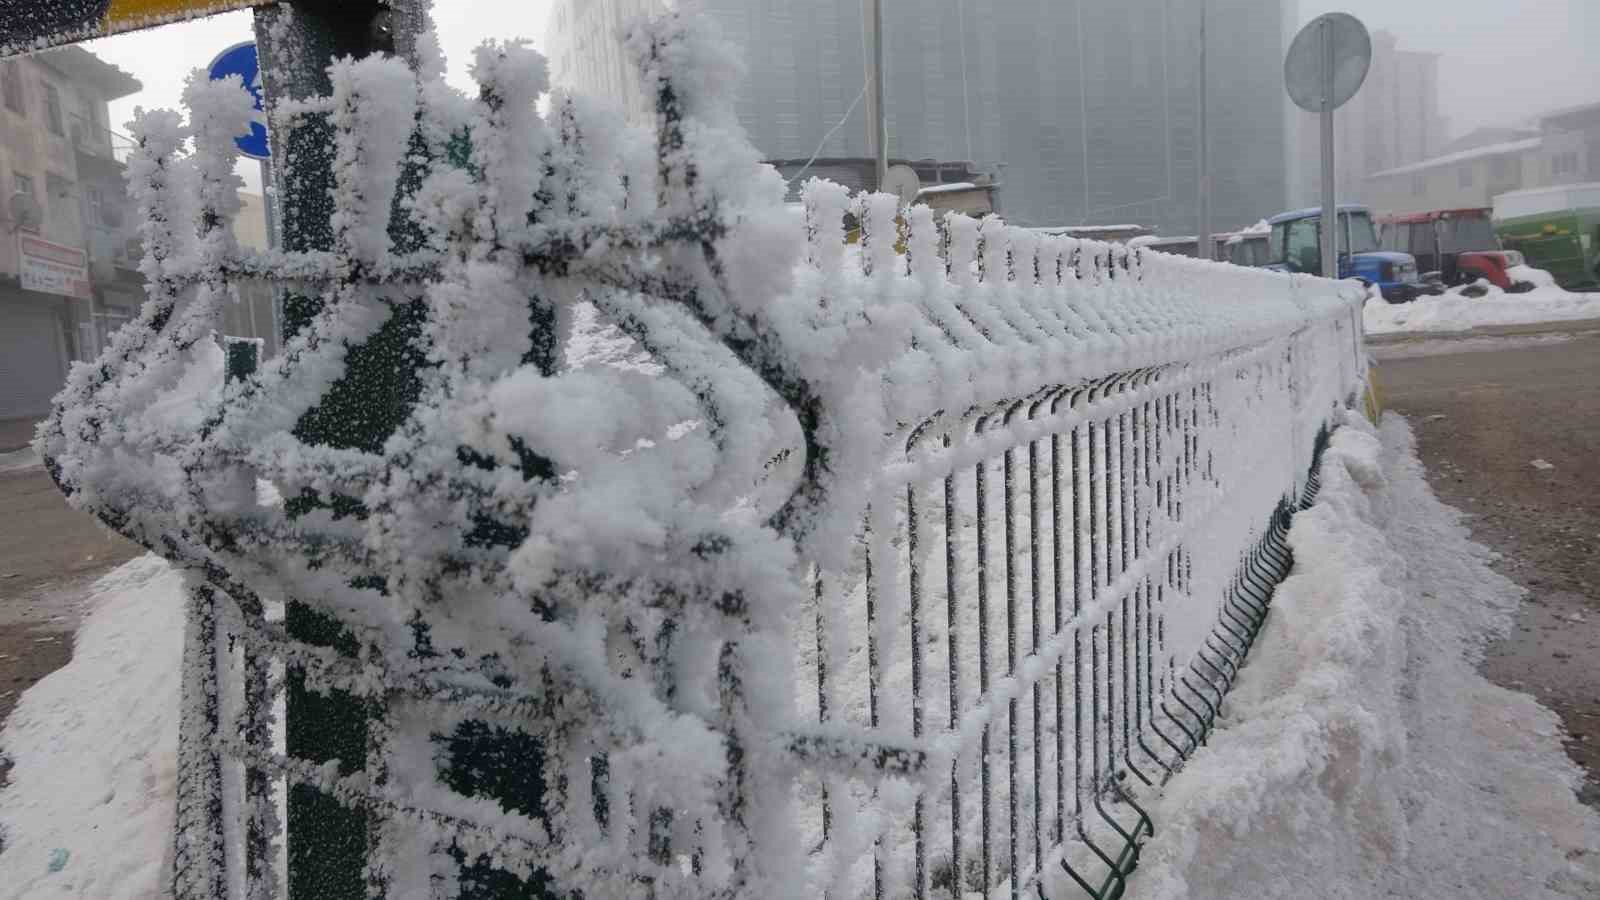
(1453, 312)
(89, 809)
(1362, 755)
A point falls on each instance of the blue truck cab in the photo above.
(1295, 245)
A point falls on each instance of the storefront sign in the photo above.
(53, 268)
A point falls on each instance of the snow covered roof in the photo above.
(1097, 232)
(1540, 200)
(1310, 211)
(1501, 149)
(953, 188)
(1152, 240)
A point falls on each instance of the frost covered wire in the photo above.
(897, 569)
(829, 136)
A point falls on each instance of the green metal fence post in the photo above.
(328, 843)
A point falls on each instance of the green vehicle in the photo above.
(1556, 229)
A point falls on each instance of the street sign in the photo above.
(52, 268)
(1324, 68)
(28, 25)
(241, 60)
(1352, 56)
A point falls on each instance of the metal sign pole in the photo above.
(327, 842)
(1325, 66)
(1330, 212)
(267, 191)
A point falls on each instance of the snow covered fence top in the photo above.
(574, 604)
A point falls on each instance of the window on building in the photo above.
(96, 201)
(11, 77)
(1419, 185)
(1464, 176)
(1499, 166)
(23, 184)
(1593, 151)
(58, 192)
(1564, 165)
(52, 110)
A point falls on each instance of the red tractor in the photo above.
(1454, 246)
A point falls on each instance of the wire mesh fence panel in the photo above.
(690, 550)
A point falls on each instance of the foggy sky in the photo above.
(1501, 62)
(163, 57)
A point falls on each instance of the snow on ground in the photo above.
(1363, 755)
(1361, 752)
(1453, 312)
(94, 747)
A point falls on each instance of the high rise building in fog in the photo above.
(1084, 108)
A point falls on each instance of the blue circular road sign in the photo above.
(241, 60)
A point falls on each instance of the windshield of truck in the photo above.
(1465, 234)
(1295, 244)
(1358, 235)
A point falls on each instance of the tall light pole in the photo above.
(877, 143)
(1202, 152)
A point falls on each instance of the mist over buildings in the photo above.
(1086, 111)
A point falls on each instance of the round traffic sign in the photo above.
(241, 60)
(1351, 49)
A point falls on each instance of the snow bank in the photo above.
(95, 750)
(1361, 751)
(1453, 312)
(1537, 277)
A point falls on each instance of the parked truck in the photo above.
(1557, 229)
(1295, 245)
(1454, 247)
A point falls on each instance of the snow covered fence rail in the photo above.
(469, 622)
(1060, 572)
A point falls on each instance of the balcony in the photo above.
(97, 142)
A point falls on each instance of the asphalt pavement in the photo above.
(1508, 426)
(49, 556)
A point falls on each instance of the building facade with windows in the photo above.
(1466, 179)
(1571, 149)
(67, 269)
(1565, 149)
(69, 245)
(1083, 111)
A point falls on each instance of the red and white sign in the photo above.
(53, 268)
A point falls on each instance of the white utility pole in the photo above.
(1202, 153)
(877, 143)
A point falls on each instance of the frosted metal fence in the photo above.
(901, 568)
